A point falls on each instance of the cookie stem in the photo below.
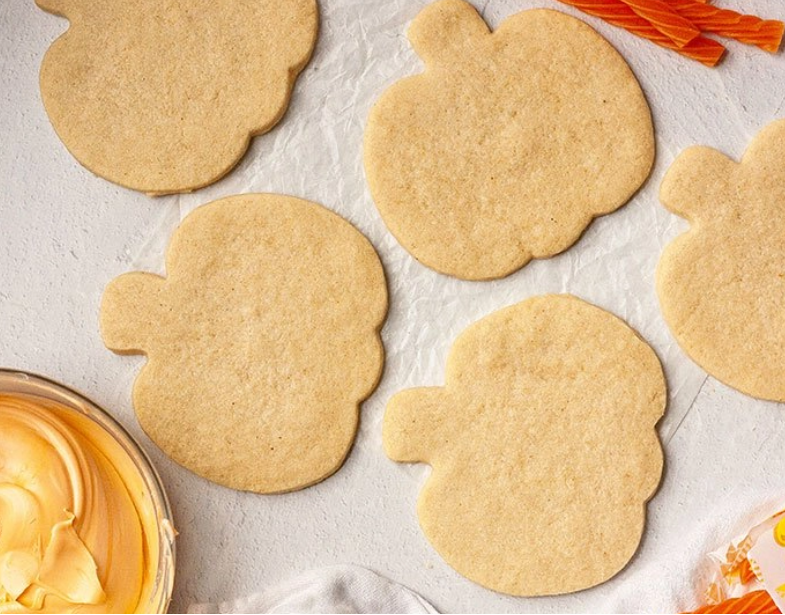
(445, 29)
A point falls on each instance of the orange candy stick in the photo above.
(763, 33)
(754, 602)
(615, 12)
(746, 573)
(665, 19)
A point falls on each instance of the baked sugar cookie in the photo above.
(163, 96)
(722, 284)
(509, 143)
(542, 444)
(262, 341)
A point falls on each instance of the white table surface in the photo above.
(65, 233)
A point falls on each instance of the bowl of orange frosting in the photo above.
(85, 524)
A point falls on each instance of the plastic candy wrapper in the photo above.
(750, 572)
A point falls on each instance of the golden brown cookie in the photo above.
(164, 95)
(542, 444)
(722, 284)
(509, 143)
(262, 341)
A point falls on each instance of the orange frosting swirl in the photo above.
(78, 532)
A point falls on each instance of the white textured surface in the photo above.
(65, 233)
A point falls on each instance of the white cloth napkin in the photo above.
(336, 589)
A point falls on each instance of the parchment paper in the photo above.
(316, 153)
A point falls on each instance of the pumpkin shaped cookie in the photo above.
(542, 444)
(163, 96)
(722, 284)
(509, 143)
(262, 341)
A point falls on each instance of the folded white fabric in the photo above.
(336, 589)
